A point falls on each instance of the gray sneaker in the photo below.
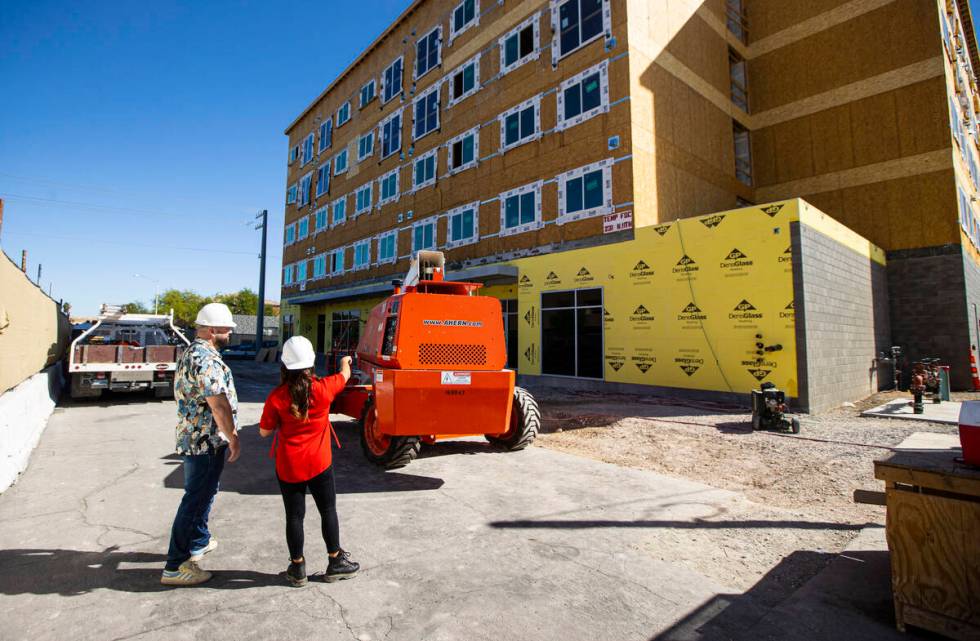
(187, 574)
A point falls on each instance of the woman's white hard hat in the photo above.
(215, 315)
(297, 353)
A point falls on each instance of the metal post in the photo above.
(260, 316)
(23, 260)
(38, 281)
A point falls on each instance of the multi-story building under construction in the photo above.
(688, 195)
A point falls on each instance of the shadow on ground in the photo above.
(74, 572)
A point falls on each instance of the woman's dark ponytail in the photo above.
(298, 382)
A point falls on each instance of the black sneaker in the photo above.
(296, 573)
(341, 567)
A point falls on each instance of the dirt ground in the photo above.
(804, 482)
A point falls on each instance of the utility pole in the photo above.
(23, 260)
(260, 317)
(38, 281)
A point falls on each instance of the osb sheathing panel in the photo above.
(554, 153)
(905, 122)
(700, 48)
(858, 49)
(766, 17)
(913, 212)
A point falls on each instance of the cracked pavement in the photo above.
(465, 543)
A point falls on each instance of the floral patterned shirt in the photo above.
(201, 373)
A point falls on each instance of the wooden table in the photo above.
(933, 531)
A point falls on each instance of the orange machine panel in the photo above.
(416, 402)
(440, 331)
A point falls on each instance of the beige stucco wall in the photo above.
(33, 331)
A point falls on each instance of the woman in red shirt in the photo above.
(298, 412)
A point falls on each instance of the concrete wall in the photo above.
(929, 308)
(24, 412)
(33, 331)
(841, 300)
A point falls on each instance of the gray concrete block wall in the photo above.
(844, 322)
(928, 293)
(971, 278)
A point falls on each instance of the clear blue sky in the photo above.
(130, 131)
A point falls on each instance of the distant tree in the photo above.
(244, 301)
(66, 308)
(135, 307)
(185, 304)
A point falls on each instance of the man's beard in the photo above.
(222, 340)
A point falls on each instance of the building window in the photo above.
(323, 179)
(464, 150)
(343, 114)
(301, 271)
(463, 225)
(578, 22)
(424, 235)
(465, 15)
(363, 197)
(426, 109)
(321, 219)
(326, 135)
(391, 134)
(293, 154)
(739, 85)
(391, 80)
(424, 170)
(520, 45)
(340, 163)
(339, 211)
(319, 266)
(388, 247)
(388, 188)
(336, 261)
(583, 96)
(345, 331)
(743, 154)
(571, 333)
(302, 228)
(290, 234)
(291, 194)
(308, 148)
(287, 275)
(585, 192)
(520, 124)
(365, 146)
(520, 209)
(362, 254)
(304, 190)
(428, 52)
(464, 81)
(367, 93)
(735, 18)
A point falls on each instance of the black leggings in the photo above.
(325, 496)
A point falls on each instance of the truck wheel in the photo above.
(525, 421)
(77, 391)
(794, 425)
(756, 422)
(389, 452)
(163, 392)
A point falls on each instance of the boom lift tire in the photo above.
(525, 421)
(390, 452)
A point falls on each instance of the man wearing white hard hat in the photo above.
(298, 413)
(207, 435)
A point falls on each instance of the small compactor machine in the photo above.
(431, 366)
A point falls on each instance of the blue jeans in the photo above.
(202, 474)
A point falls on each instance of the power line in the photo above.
(96, 207)
(130, 244)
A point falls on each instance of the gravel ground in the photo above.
(798, 488)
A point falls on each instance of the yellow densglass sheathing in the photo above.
(685, 303)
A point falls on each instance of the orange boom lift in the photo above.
(434, 355)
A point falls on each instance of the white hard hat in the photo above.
(215, 315)
(297, 353)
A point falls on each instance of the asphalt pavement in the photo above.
(465, 543)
